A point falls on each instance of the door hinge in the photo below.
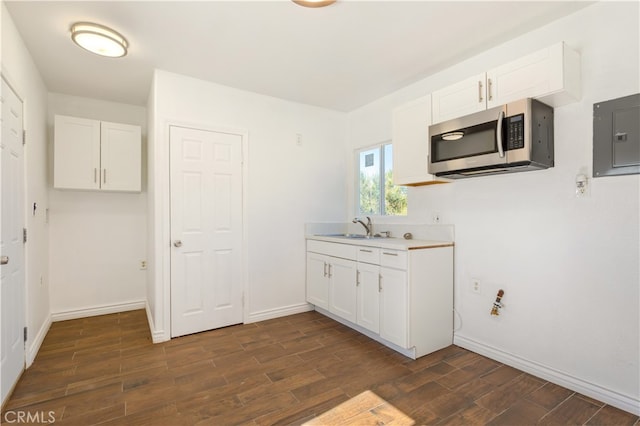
(25, 334)
(24, 235)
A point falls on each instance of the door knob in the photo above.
(4, 260)
(177, 243)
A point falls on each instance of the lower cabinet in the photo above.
(394, 319)
(317, 280)
(342, 289)
(402, 298)
(368, 297)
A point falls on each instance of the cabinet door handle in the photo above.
(479, 91)
(357, 278)
(325, 269)
(389, 254)
(379, 283)
(95, 175)
(330, 270)
(489, 89)
(104, 176)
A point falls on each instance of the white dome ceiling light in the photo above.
(99, 39)
(314, 3)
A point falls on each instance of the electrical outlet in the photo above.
(475, 286)
(143, 265)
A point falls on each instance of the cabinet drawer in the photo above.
(369, 255)
(393, 258)
(332, 249)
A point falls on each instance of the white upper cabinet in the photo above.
(95, 155)
(551, 75)
(120, 157)
(77, 153)
(411, 143)
(459, 99)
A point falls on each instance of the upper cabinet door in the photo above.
(411, 143)
(120, 157)
(459, 99)
(76, 153)
(551, 75)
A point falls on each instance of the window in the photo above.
(377, 195)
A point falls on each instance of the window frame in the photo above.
(381, 173)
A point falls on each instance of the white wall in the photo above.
(288, 184)
(154, 268)
(22, 74)
(97, 239)
(569, 266)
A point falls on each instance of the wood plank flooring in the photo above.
(105, 370)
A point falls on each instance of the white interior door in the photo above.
(11, 245)
(206, 230)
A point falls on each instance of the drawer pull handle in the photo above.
(366, 251)
(390, 254)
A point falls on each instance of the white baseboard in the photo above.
(157, 336)
(36, 342)
(98, 310)
(409, 353)
(613, 398)
(278, 312)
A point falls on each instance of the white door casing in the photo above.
(206, 207)
(12, 275)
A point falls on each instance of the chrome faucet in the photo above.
(367, 226)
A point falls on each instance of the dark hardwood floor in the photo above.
(105, 370)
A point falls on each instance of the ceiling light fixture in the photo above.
(314, 3)
(99, 39)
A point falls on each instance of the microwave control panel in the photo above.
(515, 132)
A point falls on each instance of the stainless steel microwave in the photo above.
(514, 137)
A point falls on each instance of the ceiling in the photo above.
(339, 57)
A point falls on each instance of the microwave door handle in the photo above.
(499, 133)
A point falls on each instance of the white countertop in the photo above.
(389, 243)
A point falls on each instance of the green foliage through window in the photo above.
(376, 197)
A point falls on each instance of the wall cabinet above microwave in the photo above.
(96, 155)
(551, 75)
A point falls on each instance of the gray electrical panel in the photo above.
(616, 137)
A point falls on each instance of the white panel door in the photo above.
(206, 230)
(11, 245)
